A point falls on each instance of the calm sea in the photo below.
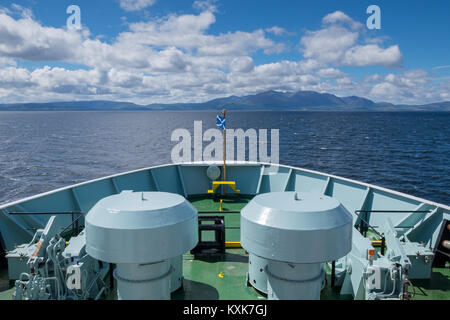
(407, 152)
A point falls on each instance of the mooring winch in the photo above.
(144, 233)
(289, 236)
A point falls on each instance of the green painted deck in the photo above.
(224, 277)
(219, 278)
(437, 288)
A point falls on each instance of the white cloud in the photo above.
(337, 44)
(136, 5)
(330, 73)
(28, 40)
(373, 55)
(385, 90)
(170, 59)
(410, 87)
(341, 17)
(24, 12)
(167, 44)
(189, 33)
(278, 31)
(7, 62)
(344, 81)
(12, 77)
(441, 67)
(328, 45)
(205, 5)
(310, 65)
(242, 64)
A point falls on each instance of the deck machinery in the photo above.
(49, 267)
(291, 235)
(143, 234)
(294, 225)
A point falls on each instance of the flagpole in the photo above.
(224, 114)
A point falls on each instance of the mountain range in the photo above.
(269, 100)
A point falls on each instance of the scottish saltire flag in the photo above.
(221, 122)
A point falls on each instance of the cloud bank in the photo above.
(177, 59)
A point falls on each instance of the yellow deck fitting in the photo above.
(376, 243)
(231, 184)
(221, 205)
(232, 245)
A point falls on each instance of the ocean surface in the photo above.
(407, 152)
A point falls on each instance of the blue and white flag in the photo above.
(221, 122)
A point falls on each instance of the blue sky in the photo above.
(149, 51)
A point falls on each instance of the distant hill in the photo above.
(269, 100)
(274, 100)
(72, 106)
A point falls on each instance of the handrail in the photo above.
(74, 224)
(357, 212)
(364, 222)
(75, 228)
(45, 213)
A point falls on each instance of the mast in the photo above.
(224, 114)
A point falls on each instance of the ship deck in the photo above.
(224, 276)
